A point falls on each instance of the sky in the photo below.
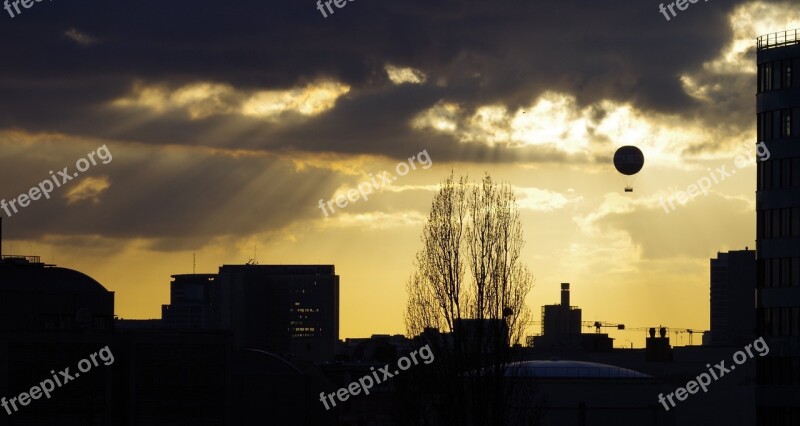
(221, 126)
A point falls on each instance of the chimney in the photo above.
(565, 294)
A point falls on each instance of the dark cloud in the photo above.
(479, 52)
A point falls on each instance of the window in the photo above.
(767, 77)
(786, 272)
(776, 174)
(795, 222)
(796, 321)
(776, 223)
(786, 123)
(766, 273)
(770, 125)
(776, 272)
(767, 220)
(764, 126)
(786, 321)
(767, 174)
(795, 262)
(786, 173)
(787, 74)
(759, 175)
(764, 174)
(786, 222)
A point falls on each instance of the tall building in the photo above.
(561, 328)
(191, 302)
(285, 309)
(778, 228)
(561, 324)
(733, 311)
(288, 310)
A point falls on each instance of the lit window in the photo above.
(786, 128)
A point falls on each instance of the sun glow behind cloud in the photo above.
(748, 21)
(556, 120)
(204, 99)
(399, 75)
(90, 188)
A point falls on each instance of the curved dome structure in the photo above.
(35, 296)
(571, 370)
(29, 277)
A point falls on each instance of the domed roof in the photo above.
(571, 369)
(37, 276)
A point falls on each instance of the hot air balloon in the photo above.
(628, 160)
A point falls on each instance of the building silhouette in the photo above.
(778, 228)
(191, 302)
(183, 371)
(733, 284)
(50, 318)
(291, 310)
(561, 324)
(561, 328)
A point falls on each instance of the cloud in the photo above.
(404, 75)
(542, 200)
(80, 37)
(280, 79)
(685, 231)
(229, 130)
(375, 220)
(201, 100)
(89, 188)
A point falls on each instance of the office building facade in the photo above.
(290, 310)
(778, 228)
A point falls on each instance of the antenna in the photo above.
(194, 263)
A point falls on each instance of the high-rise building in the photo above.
(778, 228)
(289, 310)
(191, 302)
(733, 308)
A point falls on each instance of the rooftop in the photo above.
(783, 38)
(13, 258)
(18, 273)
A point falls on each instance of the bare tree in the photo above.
(466, 298)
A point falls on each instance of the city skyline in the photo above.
(222, 160)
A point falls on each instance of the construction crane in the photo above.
(600, 324)
(691, 334)
(662, 331)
